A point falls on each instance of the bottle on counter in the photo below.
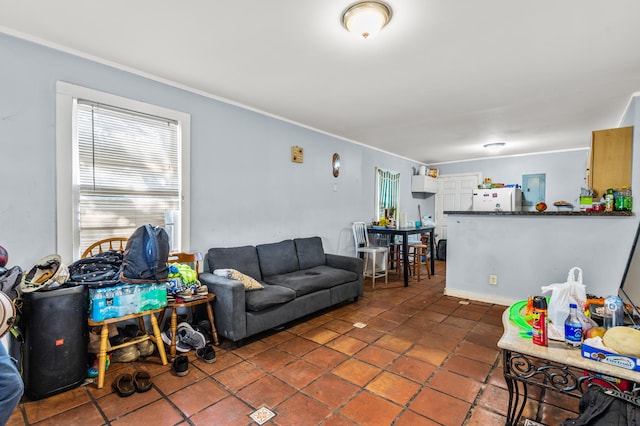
(613, 312)
(539, 331)
(627, 201)
(573, 327)
(609, 200)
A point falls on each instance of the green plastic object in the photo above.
(516, 317)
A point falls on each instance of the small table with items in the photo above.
(556, 367)
(206, 299)
(405, 232)
(104, 338)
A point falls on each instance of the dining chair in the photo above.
(363, 247)
(117, 243)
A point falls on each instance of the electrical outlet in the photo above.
(493, 279)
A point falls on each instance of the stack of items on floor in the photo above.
(194, 337)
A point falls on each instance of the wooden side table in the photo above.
(173, 306)
(104, 338)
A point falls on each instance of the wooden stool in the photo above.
(420, 251)
(173, 306)
(104, 338)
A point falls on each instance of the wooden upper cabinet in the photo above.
(610, 166)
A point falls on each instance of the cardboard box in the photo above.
(601, 355)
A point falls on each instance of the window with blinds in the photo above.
(129, 172)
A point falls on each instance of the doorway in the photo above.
(454, 194)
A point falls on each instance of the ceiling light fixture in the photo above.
(494, 148)
(366, 18)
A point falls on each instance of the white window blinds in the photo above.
(129, 172)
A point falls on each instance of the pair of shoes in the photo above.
(180, 346)
(146, 347)
(190, 337)
(127, 354)
(126, 384)
(181, 365)
(202, 290)
(207, 353)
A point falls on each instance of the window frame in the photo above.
(67, 182)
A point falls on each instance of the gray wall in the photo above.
(528, 252)
(244, 188)
(565, 171)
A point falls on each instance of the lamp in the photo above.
(366, 18)
(494, 148)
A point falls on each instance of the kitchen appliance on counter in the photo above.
(497, 199)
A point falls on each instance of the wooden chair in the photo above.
(117, 243)
(190, 258)
(361, 239)
(421, 255)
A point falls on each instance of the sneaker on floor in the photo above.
(207, 353)
(181, 365)
(190, 337)
(166, 338)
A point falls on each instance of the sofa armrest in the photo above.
(229, 306)
(353, 264)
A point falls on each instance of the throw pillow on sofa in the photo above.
(248, 282)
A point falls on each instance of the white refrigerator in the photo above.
(497, 199)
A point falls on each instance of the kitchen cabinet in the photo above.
(610, 159)
(424, 183)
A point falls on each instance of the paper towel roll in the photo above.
(403, 219)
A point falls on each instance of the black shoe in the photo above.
(204, 325)
(207, 353)
(181, 365)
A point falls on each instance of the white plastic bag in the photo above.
(563, 294)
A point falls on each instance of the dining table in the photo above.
(404, 232)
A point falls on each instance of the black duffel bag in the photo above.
(101, 270)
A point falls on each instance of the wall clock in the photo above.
(335, 164)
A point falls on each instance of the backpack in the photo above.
(441, 251)
(145, 257)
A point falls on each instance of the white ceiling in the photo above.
(442, 79)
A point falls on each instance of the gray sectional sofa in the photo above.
(298, 277)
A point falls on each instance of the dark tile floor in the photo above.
(422, 358)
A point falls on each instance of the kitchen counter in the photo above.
(545, 213)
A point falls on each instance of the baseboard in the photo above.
(479, 297)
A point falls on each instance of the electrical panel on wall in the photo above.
(297, 154)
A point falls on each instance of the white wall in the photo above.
(244, 188)
(527, 252)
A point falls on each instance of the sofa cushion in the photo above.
(310, 252)
(277, 258)
(248, 282)
(307, 281)
(270, 295)
(243, 259)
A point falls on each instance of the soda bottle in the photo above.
(573, 327)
